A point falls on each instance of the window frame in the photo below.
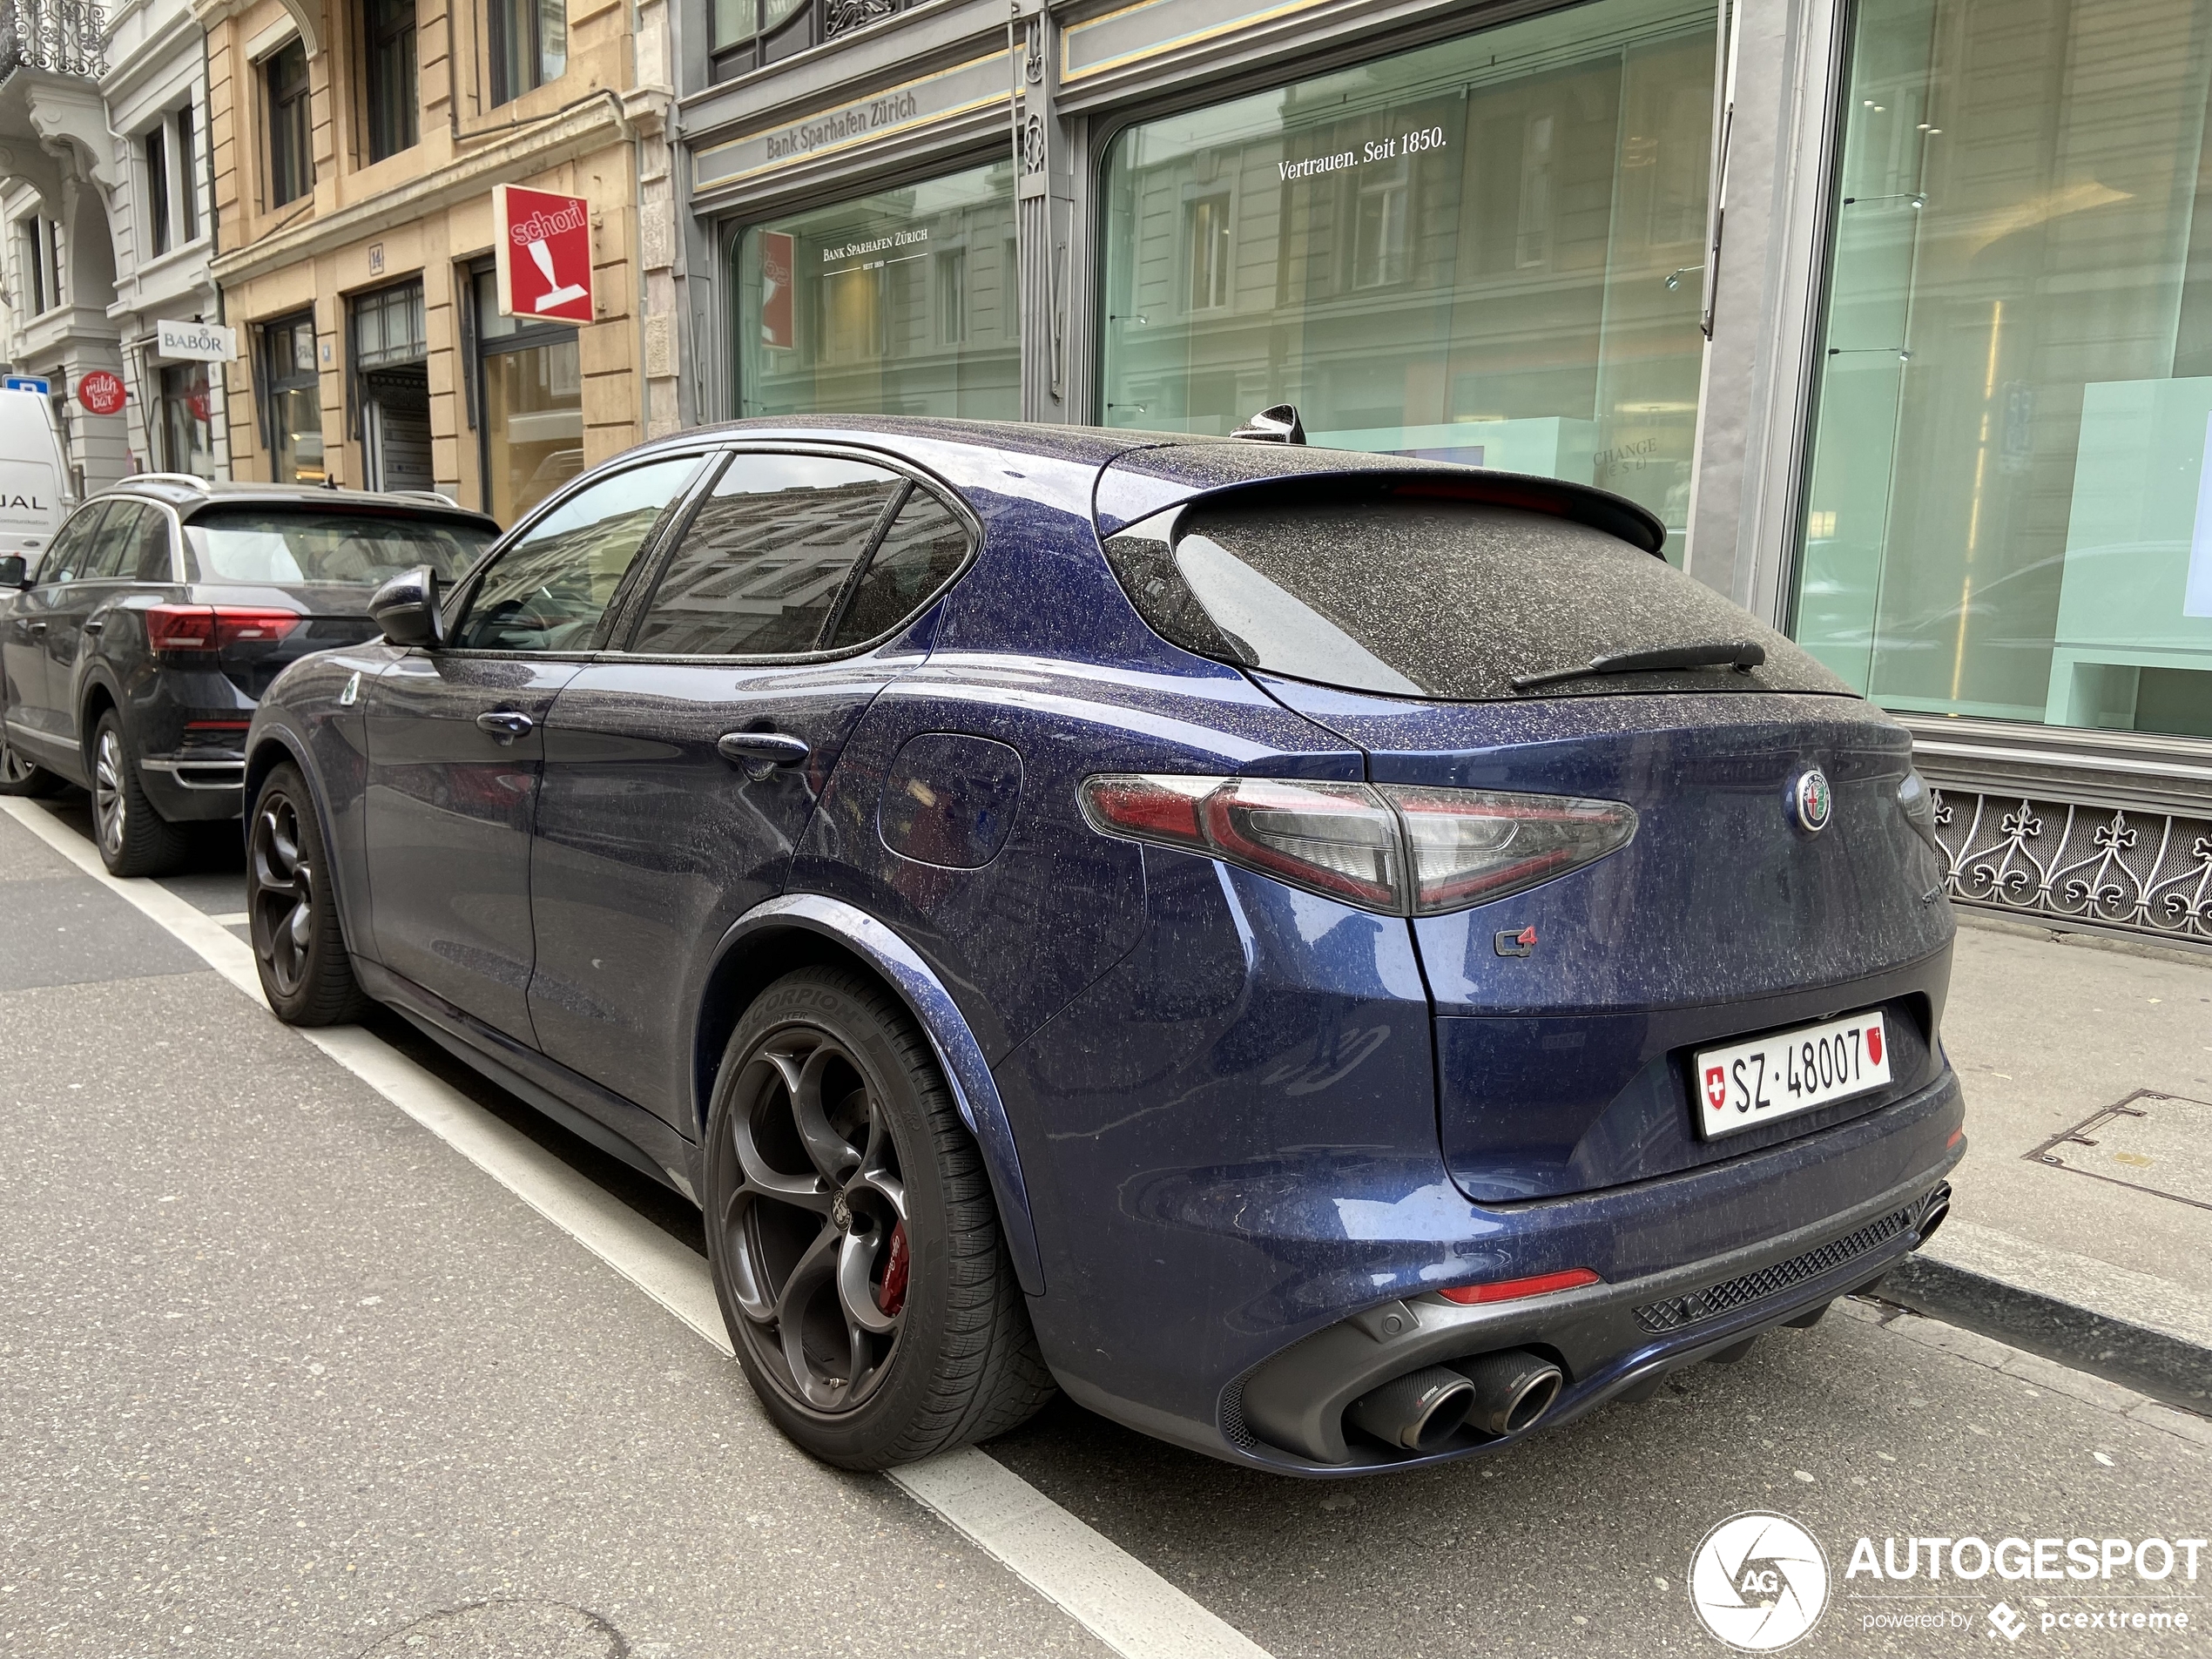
(280, 102)
(529, 334)
(153, 156)
(501, 53)
(187, 164)
(669, 535)
(390, 47)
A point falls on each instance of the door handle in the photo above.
(506, 725)
(95, 625)
(761, 753)
(36, 627)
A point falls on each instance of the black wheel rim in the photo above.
(15, 771)
(812, 1221)
(108, 804)
(282, 895)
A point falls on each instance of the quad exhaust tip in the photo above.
(1498, 1393)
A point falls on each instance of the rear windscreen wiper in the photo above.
(1742, 655)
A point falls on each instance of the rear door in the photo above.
(26, 699)
(681, 772)
(456, 737)
(108, 563)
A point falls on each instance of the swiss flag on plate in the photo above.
(1874, 1044)
(1716, 1088)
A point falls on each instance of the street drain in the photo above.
(505, 1629)
(2156, 1143)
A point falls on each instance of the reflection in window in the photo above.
(529, 45)
(2004, 516)
(902, 302)
(530, 421)
(291, 163)
(387, 27)
(1461, 253)
(293, 409)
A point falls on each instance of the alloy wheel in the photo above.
(814, 1228)
(283, 894)
(109, 803)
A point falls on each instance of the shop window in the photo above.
(291, 157)
(529, 45)
(2007, 513)
(291, 401)
(902, 302)
(390, 98)
(154, 155)
(188, 173)
(187, 424)
(1460, 252)
(530, 403)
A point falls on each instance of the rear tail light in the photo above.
(215, 627)
(1401, 850)
(1512, 1289)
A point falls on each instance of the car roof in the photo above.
(188, 495)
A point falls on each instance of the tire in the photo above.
(133, 839)
(835, 1156)
(20, 775)
(299, 947)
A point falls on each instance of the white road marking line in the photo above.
(1108, 1591)
(235, 919)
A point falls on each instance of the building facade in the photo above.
(1888, 309)
(357, 145)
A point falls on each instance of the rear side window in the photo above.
(68, 553)
(1449, 600)
(115, 550)
(919, 554)
(148, 558)
(284, 545)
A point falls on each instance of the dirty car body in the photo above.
(1329, 1010)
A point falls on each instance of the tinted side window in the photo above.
(115, 548)
(549, 589)
(65, 557)
(147, 558)
(925, 546)
(760, 570)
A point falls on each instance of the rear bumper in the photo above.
(1693, 1265)
(197, 785)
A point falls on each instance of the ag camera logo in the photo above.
(1758, 1582)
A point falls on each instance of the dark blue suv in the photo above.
(1332, 960)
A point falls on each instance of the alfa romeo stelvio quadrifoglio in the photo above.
(1334, 961)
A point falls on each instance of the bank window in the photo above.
(902, 302)
(748, 33)
(291, 165)
(529, 402)
(291, 401)
(154, 156)
(529, 45)
(389, 99)
(2007, 514)
(1461, 252)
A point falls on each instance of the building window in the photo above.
(1208, 243)
(529, 379)
(389, 355)
(292, 162)
(42, 257)
(2007, 513)
(188, 173)
(186, 423)
(1460, 251)
(155, 148)
(292, 406)
(387, 29)
(529, 45)
(901, 302)
(749, 33)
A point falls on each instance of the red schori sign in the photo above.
(101, 391)
(543, 253)
(777, 256)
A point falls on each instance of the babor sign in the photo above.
(195, 343)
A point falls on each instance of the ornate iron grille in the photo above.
(2150, 872)
(62, 36)
(1715, 1299)
(844, 16)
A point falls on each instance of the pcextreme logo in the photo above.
(1759, 1583)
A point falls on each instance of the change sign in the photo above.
(543, 253)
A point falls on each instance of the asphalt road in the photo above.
(281, 1374)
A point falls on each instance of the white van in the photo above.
(33, 476)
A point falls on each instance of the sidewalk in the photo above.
(2081, 1224)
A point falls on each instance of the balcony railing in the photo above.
(62, 36)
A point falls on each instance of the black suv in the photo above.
(132, 658)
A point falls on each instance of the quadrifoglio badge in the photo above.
(1760, 1582)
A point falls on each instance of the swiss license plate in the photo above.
(1790, 1072)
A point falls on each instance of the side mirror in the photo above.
(14, 572)
(406, 608)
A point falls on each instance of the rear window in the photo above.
(1452, 600)
(282, 545)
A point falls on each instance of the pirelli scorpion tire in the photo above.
(855, 1246)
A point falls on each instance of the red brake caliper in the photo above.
(891, 1295)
